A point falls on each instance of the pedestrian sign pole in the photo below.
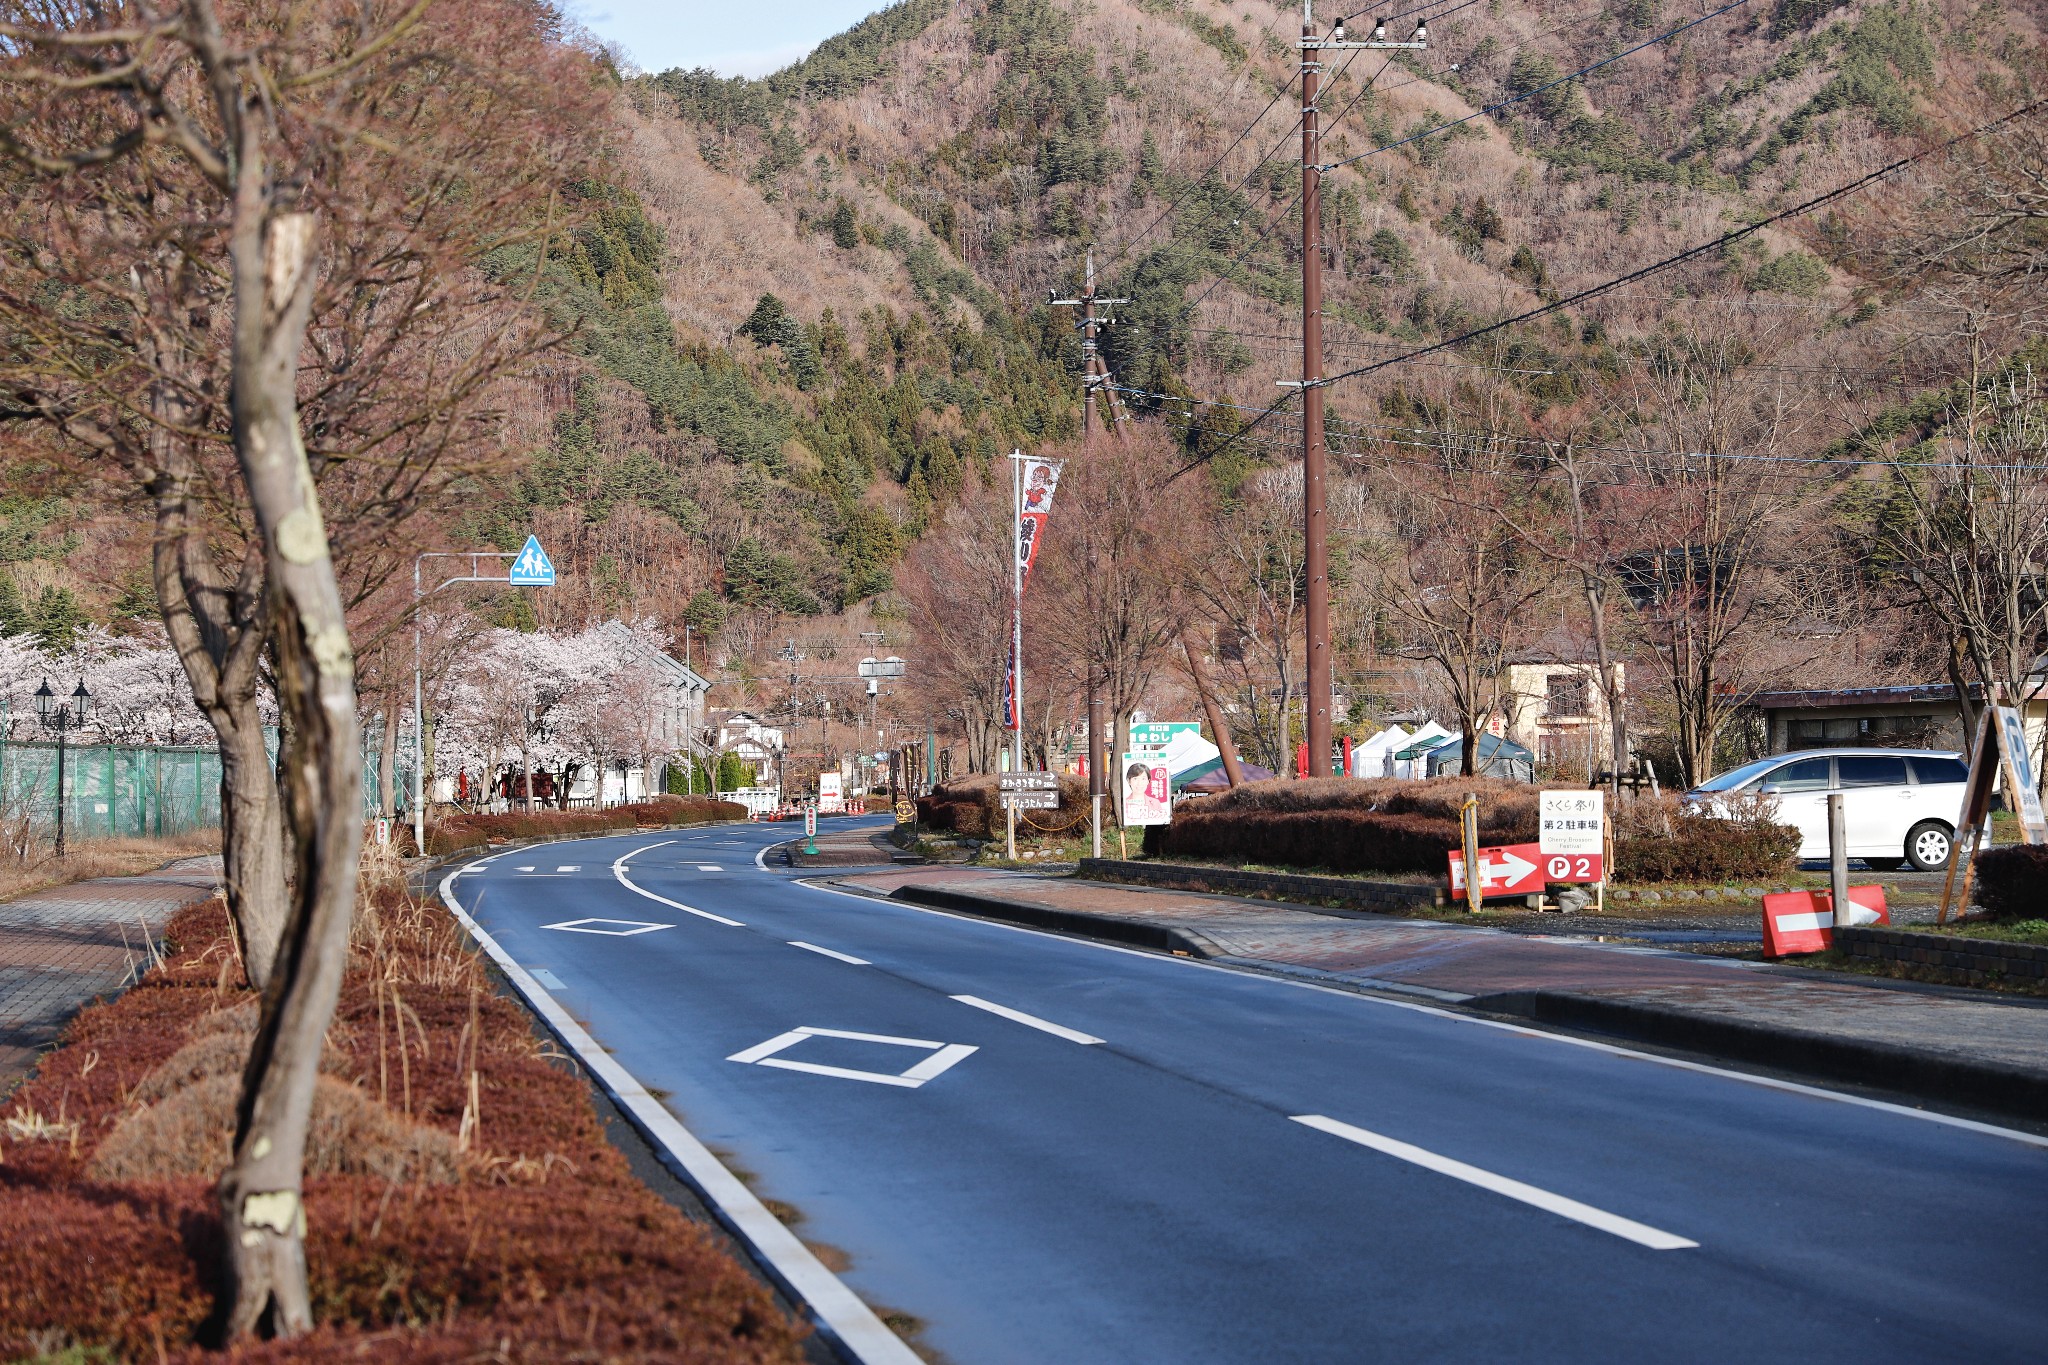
(811, 829)
(530, 568)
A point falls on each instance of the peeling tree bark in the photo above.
(272, 253)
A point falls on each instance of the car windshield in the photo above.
(1735, 777)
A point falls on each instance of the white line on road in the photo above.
(709, 867)
(837, 1308)
(843, 957)
(1029, 1020)
(1373, 997)
(619, 871)
(1626, 1228)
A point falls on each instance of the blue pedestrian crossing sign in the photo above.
(533, 568)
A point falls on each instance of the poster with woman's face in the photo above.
(1148, 798)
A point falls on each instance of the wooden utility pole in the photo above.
(1314, 455)
(1094, 373)
(1318, 682)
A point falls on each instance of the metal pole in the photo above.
(62, 717)
(1088, 379)
(1838, 860)
(419, 722)
(1314, 493)
(1016, 642)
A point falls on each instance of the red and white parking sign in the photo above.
(1574, 867)
(1804, 921)
(1511, 870)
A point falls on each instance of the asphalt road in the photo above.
(1164, 1161)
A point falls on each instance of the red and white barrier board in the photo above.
(1804, 921)
(1510, 870)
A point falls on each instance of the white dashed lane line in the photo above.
(1028, 1020)
(1626, 1228)
(843, 957)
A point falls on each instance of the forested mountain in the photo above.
(810, 308)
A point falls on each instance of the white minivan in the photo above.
(1900, 805)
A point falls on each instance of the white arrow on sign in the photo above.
(1509, 870)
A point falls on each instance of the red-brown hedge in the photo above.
(2012, 882)
(548, 1248)
(1343, 840)
(455, 832)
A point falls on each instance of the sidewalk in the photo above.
(61, 947)
(1949, 1043)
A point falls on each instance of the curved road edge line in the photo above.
(835, 1310)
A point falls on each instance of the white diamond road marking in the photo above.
(943, 1056)
(627, 927)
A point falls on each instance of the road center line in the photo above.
(619, 871)
(843, 957)
(1626, 1228)
(1028, 1020)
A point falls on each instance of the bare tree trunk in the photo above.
(252, 839)
(1610, 685)
(261, 1202)
(1231, 772)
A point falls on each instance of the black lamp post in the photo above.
(63, 719)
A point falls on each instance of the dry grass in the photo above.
(91, 858)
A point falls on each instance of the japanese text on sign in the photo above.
(1572, 822)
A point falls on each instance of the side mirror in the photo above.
(1770, 789)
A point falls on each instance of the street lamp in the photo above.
(63, 719)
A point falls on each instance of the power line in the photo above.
(1690, 253)
(1537, 90)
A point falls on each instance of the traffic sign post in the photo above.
(811, 828)
(1030, 790)
(530, 568)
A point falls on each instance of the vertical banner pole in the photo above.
(1016, 641)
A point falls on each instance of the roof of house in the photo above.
(1815, 698)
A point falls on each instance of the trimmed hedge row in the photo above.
(1345, 840)
(1396, 826)
(455, 832)
(1701, 848)
(2012, 882)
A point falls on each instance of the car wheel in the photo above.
(1884, 864)
(1928, 844)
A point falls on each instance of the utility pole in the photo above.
(1094, 378)
(1094, 374)
(1319, 683)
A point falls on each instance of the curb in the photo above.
(1136, 933)
(1927, 1075)
(835, 1310)
(1376, 898)
(1930, 1075)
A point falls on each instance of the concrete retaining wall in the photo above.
(1947, 957)
(1393, 897)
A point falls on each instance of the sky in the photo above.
(729, 36)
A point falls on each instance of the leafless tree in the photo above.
(238, 232)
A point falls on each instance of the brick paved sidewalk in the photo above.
(62, 947)
(1459, 963)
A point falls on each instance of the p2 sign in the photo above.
(1587, 868)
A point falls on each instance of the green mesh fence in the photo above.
(111, 790)
(129, 791)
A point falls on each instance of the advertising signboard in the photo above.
(1510, 870)
(1147, 789)
(1154, 735)
(2022, 784)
